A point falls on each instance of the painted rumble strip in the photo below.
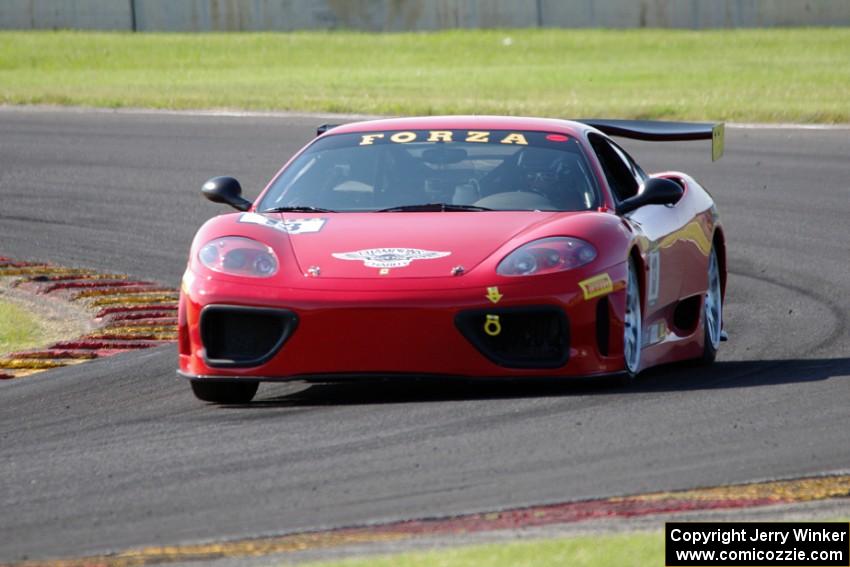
(128, 314)
(716, 498)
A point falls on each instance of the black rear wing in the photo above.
(659, 131)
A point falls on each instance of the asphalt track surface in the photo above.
(117, 453)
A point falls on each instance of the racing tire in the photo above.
(225, 392)
(632, 327)
(712, 313)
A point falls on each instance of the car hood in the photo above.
(401, 245)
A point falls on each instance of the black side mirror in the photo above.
(225, 190)
(657, 191)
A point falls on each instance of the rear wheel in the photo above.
(712, 315)
(225, 392)
(632, 325)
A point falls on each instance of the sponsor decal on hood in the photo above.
(289, 226)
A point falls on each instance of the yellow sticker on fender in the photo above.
(596, 286)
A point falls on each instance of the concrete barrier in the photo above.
(65, 14)
(400, 15)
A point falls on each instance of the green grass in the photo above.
(18, 329)
(800, 75)
(625, 550)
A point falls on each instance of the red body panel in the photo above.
(356, 319)
(405, 332)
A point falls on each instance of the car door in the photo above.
(660, 226)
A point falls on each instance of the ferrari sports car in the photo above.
(474, 247)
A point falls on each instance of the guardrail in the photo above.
(400, 15)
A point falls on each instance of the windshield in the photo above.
(445, 170)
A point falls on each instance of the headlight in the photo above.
(239, 257)
(547, 255)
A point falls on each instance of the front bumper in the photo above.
(414, 333)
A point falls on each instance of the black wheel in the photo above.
(632, 329)
(712, 313)
(225, 392)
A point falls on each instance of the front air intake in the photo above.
(603, 325)
(518, 337)
(237, 336)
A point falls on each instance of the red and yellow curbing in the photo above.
(653, 504)
(128, 314)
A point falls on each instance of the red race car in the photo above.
(459, 247)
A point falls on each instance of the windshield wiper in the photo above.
(431, 207)
(298, 209)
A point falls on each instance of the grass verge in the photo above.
(18, 329)
(769, 75)
(620, 550)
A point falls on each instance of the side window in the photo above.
(634, 168)
(623, 176)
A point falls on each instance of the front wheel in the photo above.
(632, 325)
(712, 315)
(225, 392)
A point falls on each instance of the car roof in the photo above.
(465, 123)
